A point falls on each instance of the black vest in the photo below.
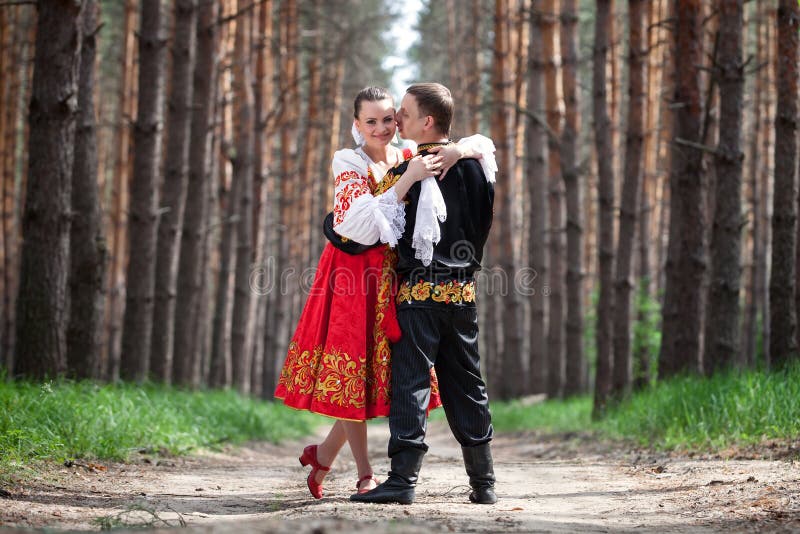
(469, 199)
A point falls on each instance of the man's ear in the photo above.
(429, 123)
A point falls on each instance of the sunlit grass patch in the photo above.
(61, 420)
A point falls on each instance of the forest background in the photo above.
(166, 168)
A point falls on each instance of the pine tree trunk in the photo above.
(143, 219)
(686, 253)
(42, 305)
(783, 314)
(9, 89)
(266, 223)
(262, 154)
(605, 214)
(555, 271)
(575, 364)
(5, 78)
(243, 176)
(511, 362)
(88, 250)
(767, 175)
(209, 282)
(722, 322)
(622, 368)
(536, 139)
(289, 87)
(173, 193)
(196, 220)
(643, 287)
(753, 160)
(312, 134)
(666, 129)
(475, 62)
(220, 372)
(119, 197)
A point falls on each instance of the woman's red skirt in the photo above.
(339, 360)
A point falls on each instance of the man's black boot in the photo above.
(478, 461)
(399, 487)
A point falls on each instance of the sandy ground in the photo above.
(545, 484)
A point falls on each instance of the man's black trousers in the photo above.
(444, 337)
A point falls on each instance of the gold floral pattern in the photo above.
(450, 292)
(428, 146)
(333, 377)
(382, 355)
(387, 182)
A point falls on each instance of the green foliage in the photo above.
(62, 420)
(697, 413)
(646, 330)
(569, 415)
(726, 409)
(590, 334)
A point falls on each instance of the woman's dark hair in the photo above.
(370, 94)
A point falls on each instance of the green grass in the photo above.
(64, 420)
(68, 420)
(570, 415)
(727, 409)
(691, 413)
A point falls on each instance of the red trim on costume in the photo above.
(345, 198)
(345, 176)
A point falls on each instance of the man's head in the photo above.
(425, 113)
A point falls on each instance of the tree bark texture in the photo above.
(783, 314)
(143, 219)
(722, 322)
(574, 358)
(622, 373)
(686, 251)
(42, 305)
(88, 251)
(173, 192)
(605, 213)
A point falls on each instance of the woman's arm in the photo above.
(362, 217)
(475, 146)
(419, 167)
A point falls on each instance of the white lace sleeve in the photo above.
(357, 214)
(483, 145)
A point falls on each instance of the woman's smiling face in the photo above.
(376, 122)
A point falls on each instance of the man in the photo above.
(437, 314)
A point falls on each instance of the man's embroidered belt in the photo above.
(444, 292)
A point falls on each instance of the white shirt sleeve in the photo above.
(485, 146)
(357, 214)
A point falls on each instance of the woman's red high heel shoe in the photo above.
(309, 456)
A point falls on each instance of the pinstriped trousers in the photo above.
(444, 337)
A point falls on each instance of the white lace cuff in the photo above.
(483, 145)
(390, 216)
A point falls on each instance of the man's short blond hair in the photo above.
(434, 99)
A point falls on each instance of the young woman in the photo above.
(338, 362)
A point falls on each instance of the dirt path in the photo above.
(545, 485)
